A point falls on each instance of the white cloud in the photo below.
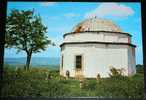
(46, 4)
(70, 15)
(110, 9)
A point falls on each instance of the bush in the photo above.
(54, 74)
(121, 87)
(139, 68)
(32, 83)
(116, 73)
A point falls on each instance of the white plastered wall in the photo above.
(99, 37)
(96, 59)
(131, 61)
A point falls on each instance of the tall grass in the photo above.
(35, 83)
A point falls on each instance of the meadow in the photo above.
(35, 82)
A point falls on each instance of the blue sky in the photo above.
(62, 17)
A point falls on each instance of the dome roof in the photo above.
(96, 24)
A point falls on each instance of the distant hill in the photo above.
(34, 61)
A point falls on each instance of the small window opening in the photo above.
(62, 62)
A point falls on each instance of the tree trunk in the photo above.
(28, 60)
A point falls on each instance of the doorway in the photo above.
(78, 66)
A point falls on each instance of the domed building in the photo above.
(93, 47)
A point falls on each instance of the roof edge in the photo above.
(95, 42)
(96, 32)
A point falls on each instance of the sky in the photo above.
(61, 17)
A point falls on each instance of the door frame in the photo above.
(82, 63)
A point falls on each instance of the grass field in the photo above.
(35, 83)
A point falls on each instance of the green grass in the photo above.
(34, 83)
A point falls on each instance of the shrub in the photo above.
(54, 74)
(116, 73)
(121, 87)
(139, 68)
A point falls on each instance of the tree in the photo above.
(25, 32)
